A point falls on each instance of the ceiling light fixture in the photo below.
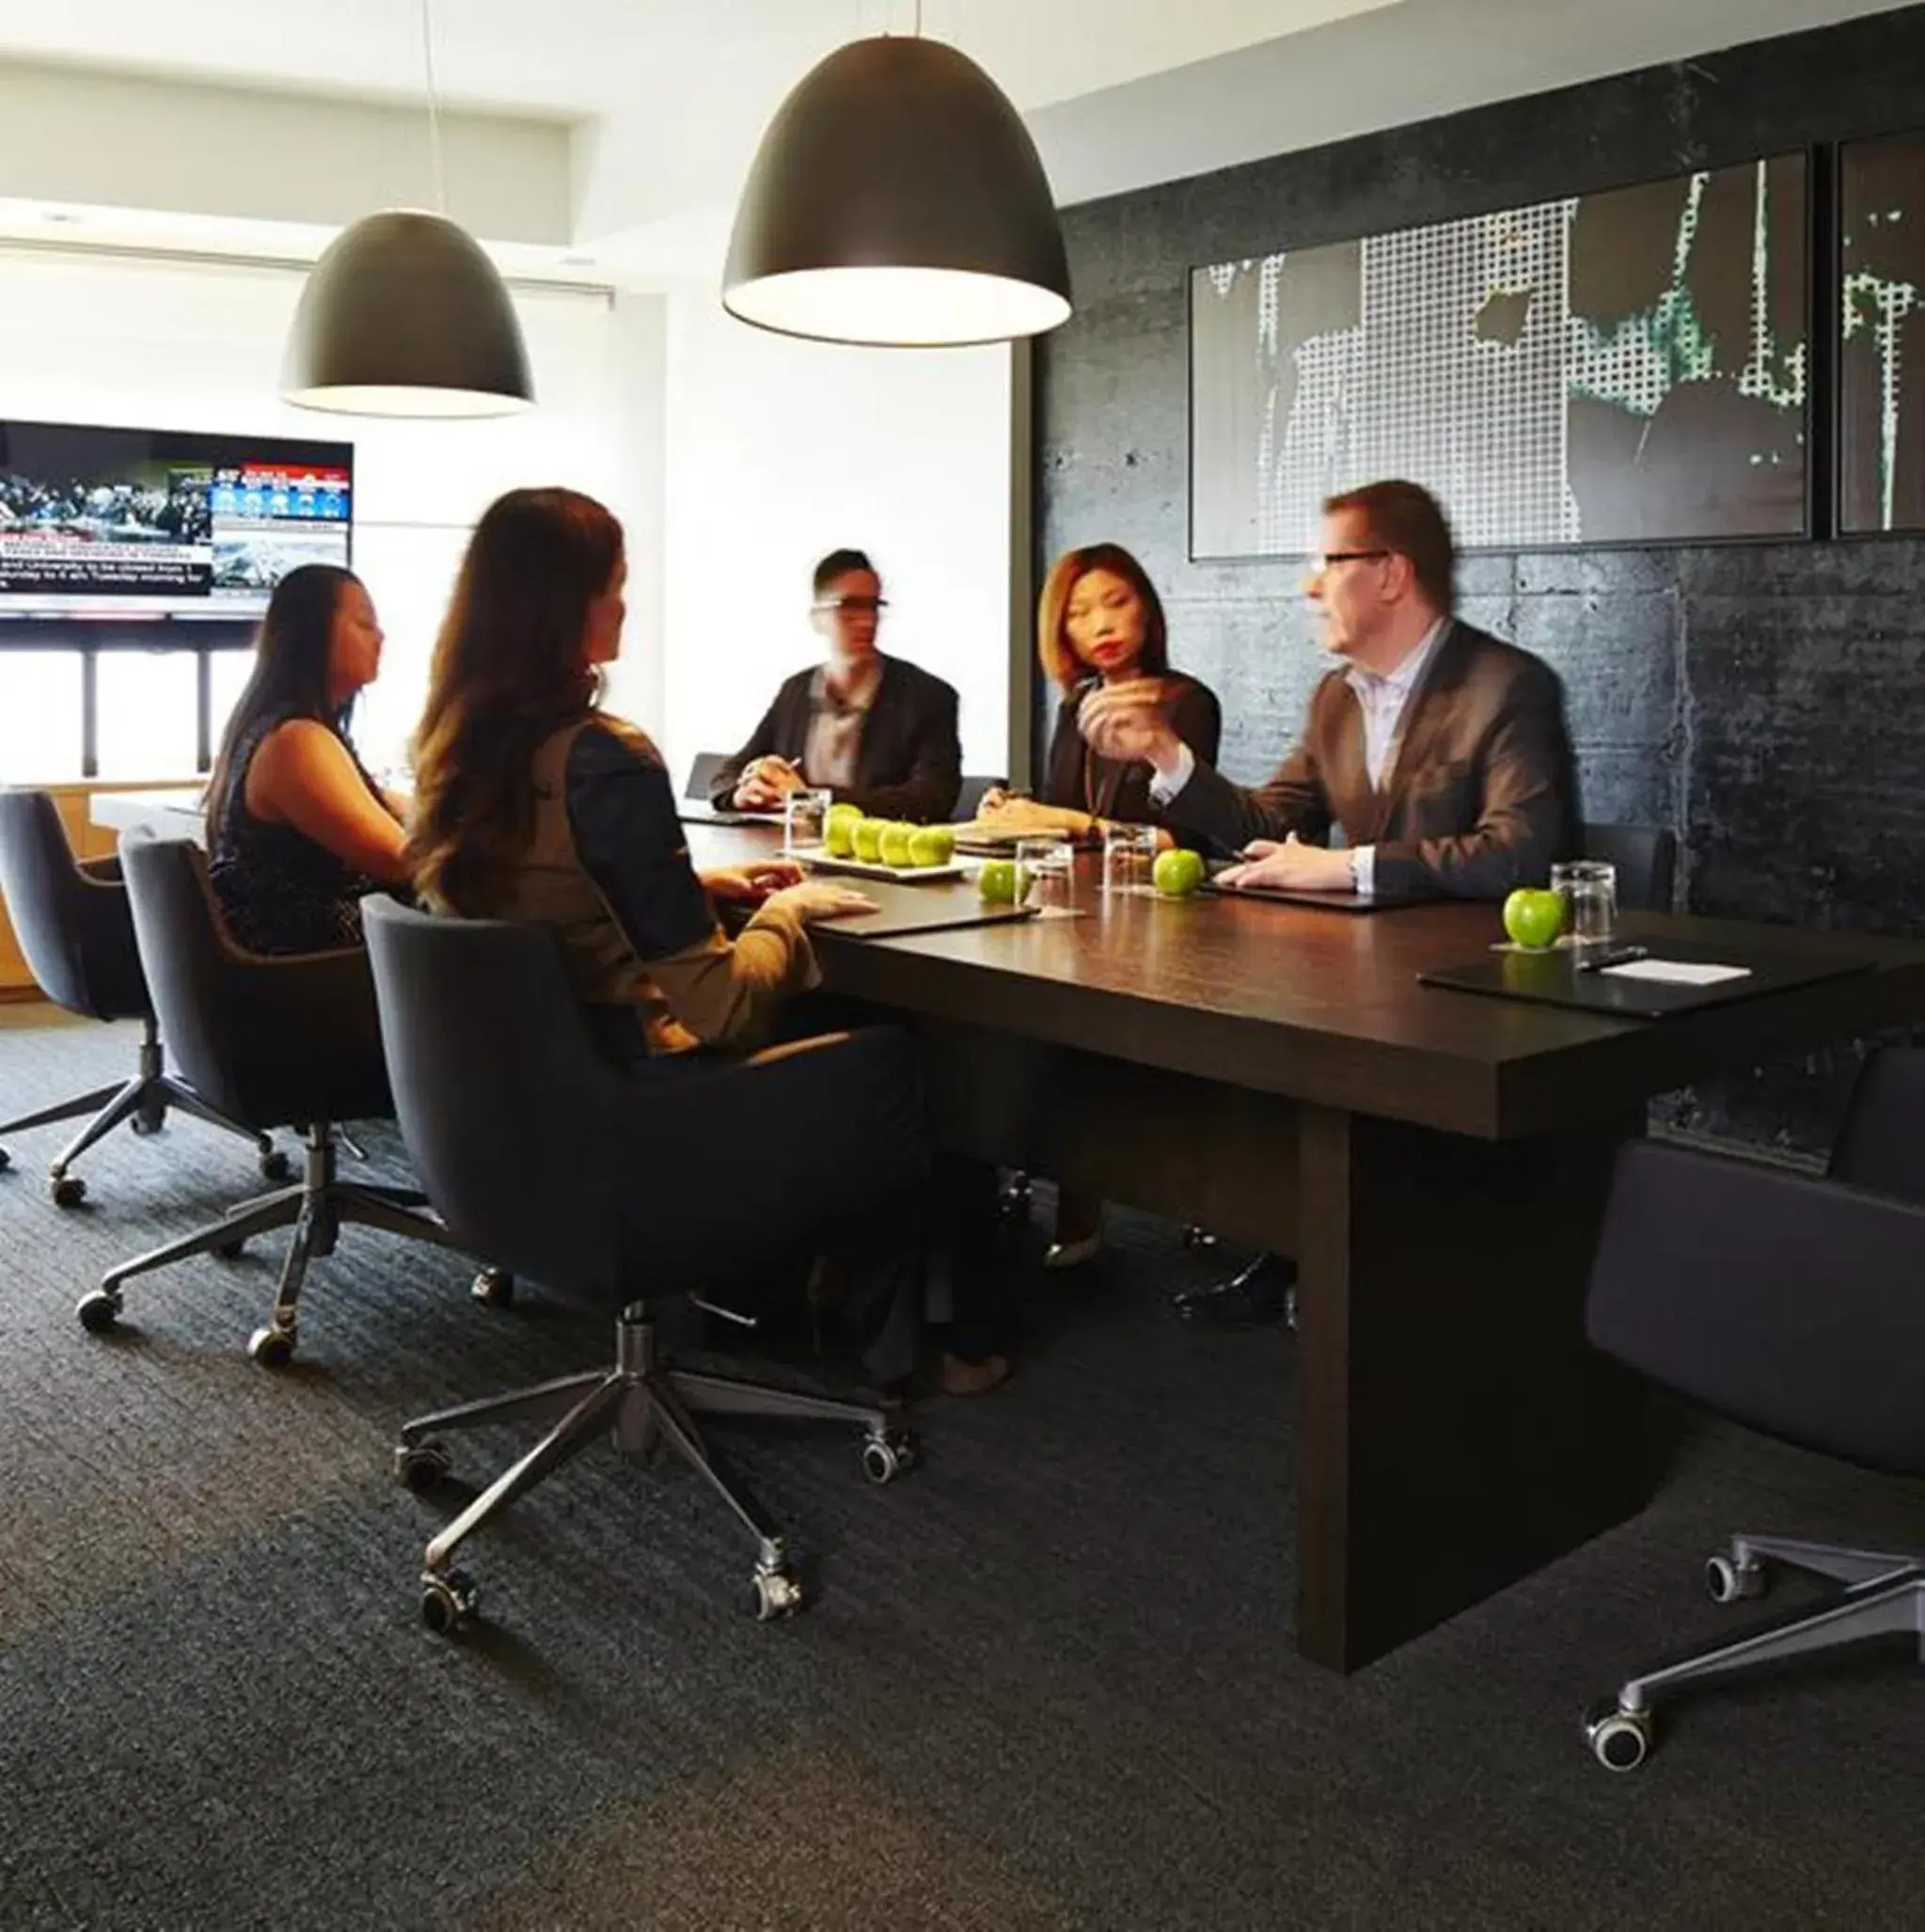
(897, 200)
(405, 315)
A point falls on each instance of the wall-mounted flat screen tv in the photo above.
(103, 522)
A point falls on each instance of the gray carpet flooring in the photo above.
(1046, 1682)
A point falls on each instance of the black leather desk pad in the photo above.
(713, 814)
(1552, 979)
(907, 909)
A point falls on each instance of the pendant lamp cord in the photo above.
(434, 111)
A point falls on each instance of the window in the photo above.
(40, 716)
(79, 701)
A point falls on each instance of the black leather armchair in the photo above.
(1646, 857)
(608, 1190)
(1795, 1306)
(74, 928)
(285, 1041)
(969, 800)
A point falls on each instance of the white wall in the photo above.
(779, 451)
(197, 345)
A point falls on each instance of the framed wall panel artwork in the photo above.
(1630, 367)
(1882, 337)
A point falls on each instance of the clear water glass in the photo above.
(805, 819)
(1045, 872)
(1589, 888)
(1129, 857)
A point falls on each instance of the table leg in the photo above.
(1455, 1430)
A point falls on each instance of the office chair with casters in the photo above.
(73, 927)
(275, 1041)
(1797, 1306)
(969, 799)
(701, 773)
(1646, 859)
(606, 1189)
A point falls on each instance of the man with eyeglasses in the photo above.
(1438, 752)
(877, 730)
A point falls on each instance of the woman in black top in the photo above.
(1100, 621)
(296, 828)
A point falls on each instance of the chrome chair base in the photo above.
(316, 1208)
(145, 1100)
(1883, 1592)
(645, 1405)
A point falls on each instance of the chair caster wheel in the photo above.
(69, 1190)
(1619, 1739)
(271, 1346)
(419, 1465)
(774, 1593)
(886, 1457)
(1726, 1582)
(494, 1288)
(448, 1601)
(99, 1310)
(146, 1124)
(276, 1166)
(231, 1250)
(6, 1160)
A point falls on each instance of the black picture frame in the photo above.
(1815, 475)
(1875, 493)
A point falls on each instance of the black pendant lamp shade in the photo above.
(897, 200)
(405, 315)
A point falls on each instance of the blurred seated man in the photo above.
(878, 732)
(1438, 752)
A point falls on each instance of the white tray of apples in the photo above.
(882, 849)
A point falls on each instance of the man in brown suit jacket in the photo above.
(1440, 752)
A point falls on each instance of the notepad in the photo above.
(1675, 972)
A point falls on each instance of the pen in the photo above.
(1616, 956)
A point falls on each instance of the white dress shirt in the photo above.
(1383, 702)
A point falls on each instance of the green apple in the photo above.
(844, 810)
(932, 844)
(996, 883)
(1177, 872)
(895, 843)
(1533, 917)
(865, 834)
(839, 836)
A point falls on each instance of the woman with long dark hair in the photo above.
(533, 803)
(1099, 624)
(296, 829)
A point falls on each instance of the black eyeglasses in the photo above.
(1329, 556)
(854, 605)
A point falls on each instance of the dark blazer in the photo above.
(1482, 797)
(1115, 788)
(909, 764)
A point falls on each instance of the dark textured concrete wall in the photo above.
(1763, 700)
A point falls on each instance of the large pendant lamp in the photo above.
(897, 200)
(405, 315)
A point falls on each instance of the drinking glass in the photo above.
(805, 819)
(1130, 857)
(1589, 888)
(1045, 872)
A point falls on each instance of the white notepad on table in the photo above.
(1676, 971)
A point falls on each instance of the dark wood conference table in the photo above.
(1435, 1160)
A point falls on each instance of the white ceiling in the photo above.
(664, 98)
